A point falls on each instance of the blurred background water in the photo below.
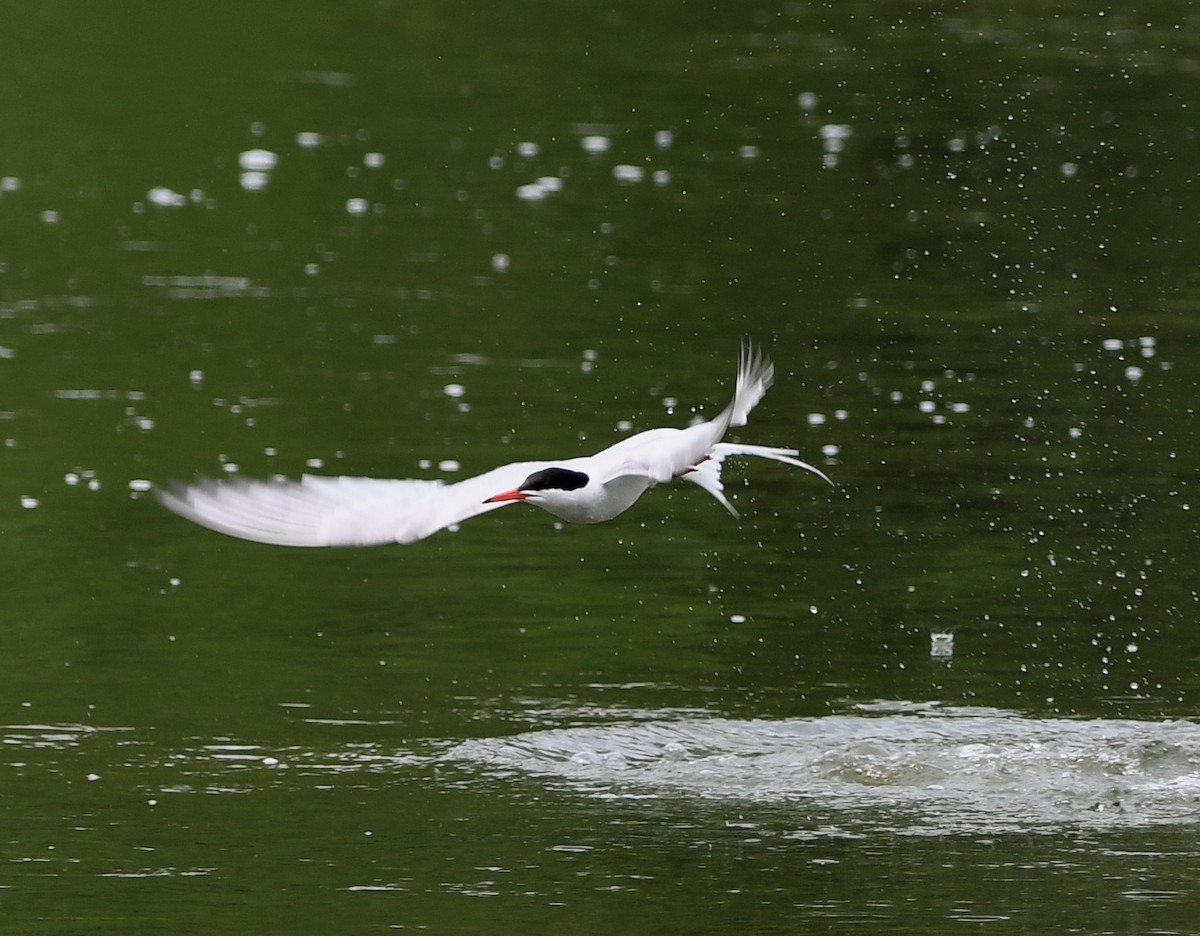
(423, 239)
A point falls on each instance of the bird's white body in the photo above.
(331, 511)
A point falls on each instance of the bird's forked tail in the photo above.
(708, 473)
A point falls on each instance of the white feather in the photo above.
(324, 511)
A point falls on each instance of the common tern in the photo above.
(347, 511)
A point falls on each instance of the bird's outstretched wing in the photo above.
(755, 375)
(338, 511)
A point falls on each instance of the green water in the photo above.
(966, 237)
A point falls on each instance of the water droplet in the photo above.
(596, 143)
(165, 198)
(254, 181)
(259, 160)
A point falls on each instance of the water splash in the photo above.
(931, 771)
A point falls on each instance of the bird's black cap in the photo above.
(554, 479)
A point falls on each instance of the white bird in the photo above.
(332, 511)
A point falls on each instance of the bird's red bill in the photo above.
(514, 494)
